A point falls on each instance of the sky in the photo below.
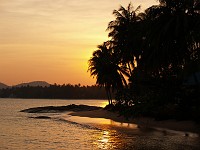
(52, 40)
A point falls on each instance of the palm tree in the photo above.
(173, 36)
(125, 33)
(105, 67)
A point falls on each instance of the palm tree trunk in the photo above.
(108, 96)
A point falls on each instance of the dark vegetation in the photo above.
(54, 92)
(152, 62)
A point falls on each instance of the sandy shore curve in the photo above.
(186, 126)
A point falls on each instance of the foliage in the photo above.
(105, 67)
(55, 92)
(158, 49)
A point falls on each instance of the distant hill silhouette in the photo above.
(34, 84)
(2, 85)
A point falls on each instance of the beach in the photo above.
(67, 124)
(99, 112)
(142, 122)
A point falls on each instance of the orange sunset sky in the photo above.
(52, 40)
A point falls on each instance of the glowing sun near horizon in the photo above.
(52, 41)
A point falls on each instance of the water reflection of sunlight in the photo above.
(103, 142)
(103, 104)
(108, 139)
(102, 121)
(121, 124)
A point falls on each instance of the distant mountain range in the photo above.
(32, 84)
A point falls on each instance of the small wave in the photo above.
(86, 126)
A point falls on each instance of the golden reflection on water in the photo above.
(103, 140)
(121, 124)
(108, 139)
(102, 121)
(103, 104)
(62, 131)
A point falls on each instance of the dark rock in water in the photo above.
(41, 117)
(55, 109)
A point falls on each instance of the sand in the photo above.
(98, 112)
(186, 126)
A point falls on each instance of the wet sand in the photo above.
(98, 112)
(185, 126)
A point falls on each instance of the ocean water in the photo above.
(64, 132)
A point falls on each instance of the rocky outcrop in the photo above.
(54, 109)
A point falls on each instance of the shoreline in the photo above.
(142, 122)
(99, 112)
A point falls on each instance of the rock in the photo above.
(55, 109)
(41, 117)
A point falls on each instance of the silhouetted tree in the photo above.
(172, 39)
(106, 69)
(126, 35)
(55, 91)
(161, 48)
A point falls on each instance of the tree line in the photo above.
(55, 92)
(149, 59)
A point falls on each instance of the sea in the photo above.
(21, 131)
